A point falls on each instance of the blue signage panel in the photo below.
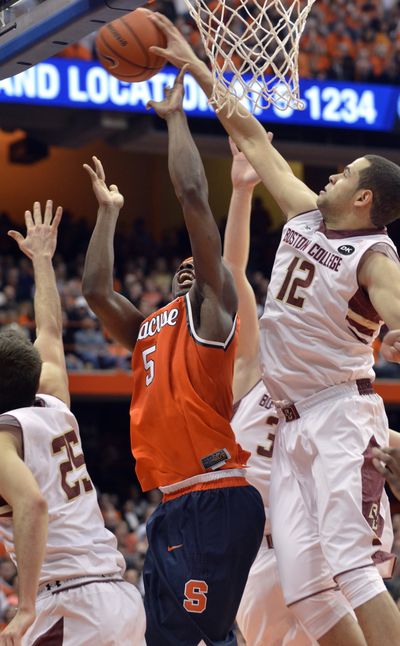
(82, 84)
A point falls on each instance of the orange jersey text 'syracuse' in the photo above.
(182, 399)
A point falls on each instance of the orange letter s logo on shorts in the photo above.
(195, 593)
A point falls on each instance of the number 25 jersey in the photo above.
(182, 399)
(318, 324)
(77, 544)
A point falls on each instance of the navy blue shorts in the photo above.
(201, 547)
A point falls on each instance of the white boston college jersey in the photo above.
(78, 544)
(254, 422)
(318, 324)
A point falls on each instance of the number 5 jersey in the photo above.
(78, 543)
(182, 399)
(319, 324)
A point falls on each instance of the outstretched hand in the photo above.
(41, 232)
(106, 196)
(178, 51)
(173, 98)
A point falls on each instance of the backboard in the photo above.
(33, 30)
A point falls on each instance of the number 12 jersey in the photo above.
(318, 324)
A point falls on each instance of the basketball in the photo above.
(123, 46)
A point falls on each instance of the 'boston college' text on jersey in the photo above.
(318, 324)
(182, 399)
(78, 544)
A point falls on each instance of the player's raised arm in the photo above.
(236, 255)
(20, 491)
(39, 245)
(380, 276)
(121, 318)
(190, 183)
(292, 195)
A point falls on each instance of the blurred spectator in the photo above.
(347, 41)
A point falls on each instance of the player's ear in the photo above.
(364, 197)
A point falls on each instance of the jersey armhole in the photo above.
(198, 339)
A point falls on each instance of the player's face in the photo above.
(338, 196)
(184, 278)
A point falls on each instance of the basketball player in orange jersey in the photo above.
(206, 533)
(336, 276)
(263, 617)
(82, 597)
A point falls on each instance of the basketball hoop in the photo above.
(253, 46)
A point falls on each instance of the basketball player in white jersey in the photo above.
(263, 617)
(76, 570)
(335, 278)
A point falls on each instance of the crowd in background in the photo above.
(358, 40)
(144, 272)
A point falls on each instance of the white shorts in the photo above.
(326, 502)
(263, 617)
(95, 614)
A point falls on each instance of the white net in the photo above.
(253, 46)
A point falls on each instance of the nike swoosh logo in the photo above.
(174, 547)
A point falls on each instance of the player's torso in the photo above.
(78, 543)
(182, 398)
(318, 324)
(254, 423)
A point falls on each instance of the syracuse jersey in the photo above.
(78, 544)
(254, 423)
(182, 399)
(318, 324)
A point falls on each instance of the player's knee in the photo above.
(361, 585)
(318, 614)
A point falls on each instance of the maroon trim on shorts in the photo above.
(80, 585)
(53, 637)
(372, 484)
(313, 594)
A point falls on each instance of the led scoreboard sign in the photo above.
(82, 84)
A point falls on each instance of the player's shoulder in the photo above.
(313, 217)
(49, 401)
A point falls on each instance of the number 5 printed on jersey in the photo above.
(72, 487)
(149, 363)
(291, 284)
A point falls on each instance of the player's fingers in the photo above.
(99, 168)
(379, 466)
(37, 213)
(57, 217)
(90, 172)
(161, 21)
(179, 78)
(16, 235)
(160, 51)
(48, 212)
(29, 220)
(114, 188)
(149, 105)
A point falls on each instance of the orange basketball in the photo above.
(123, 46)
